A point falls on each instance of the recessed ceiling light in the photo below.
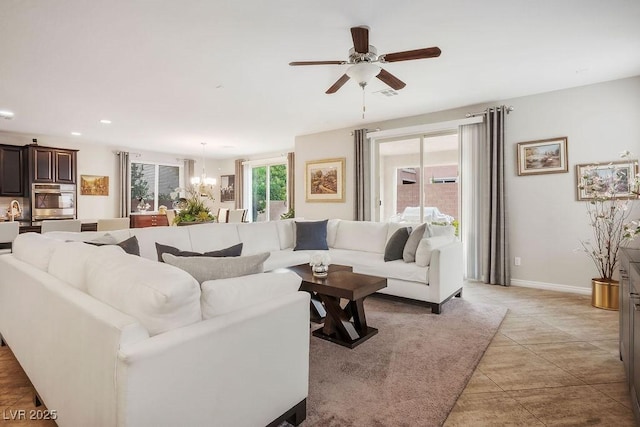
(105, 122)
(76, 133)
(8, 115)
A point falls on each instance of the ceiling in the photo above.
(173, 74)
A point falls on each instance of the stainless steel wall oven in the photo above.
(53, 201)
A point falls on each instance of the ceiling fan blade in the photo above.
(391, 80)
(360, 36)
(317, 63)
(337, 85)
(407, 55)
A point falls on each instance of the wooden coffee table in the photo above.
(345, 326)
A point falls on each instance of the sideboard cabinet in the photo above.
(140, 220)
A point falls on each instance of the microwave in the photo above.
(53, 201)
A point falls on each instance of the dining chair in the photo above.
(110, 224)
(237, 215)
(223, 215)
(171, 214)
(60, 225)
(8, 232)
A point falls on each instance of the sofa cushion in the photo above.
(434, 230)
(395, 245)
(207, 268)
(427, 246)
(286, 258)
(311, 235)
(174, 236)
(226, 295)
(285, 233)
(332, 232)
(259, 237)
(362, 236)
(129, 245)
(160, 296)
(235, 250)
(373, 264)
(409, 252)
(35, 249)
(69, 261)
(212, 236)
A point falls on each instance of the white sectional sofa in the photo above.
(114, 339)
(111, 339)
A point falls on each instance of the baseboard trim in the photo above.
(551, 286)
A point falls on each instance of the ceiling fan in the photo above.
(363, 58)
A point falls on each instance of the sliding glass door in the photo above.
(267, 195)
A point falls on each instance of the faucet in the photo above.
(14, 211)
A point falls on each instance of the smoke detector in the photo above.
(7, 115)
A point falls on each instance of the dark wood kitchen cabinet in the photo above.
(11, 171)
(55, 165)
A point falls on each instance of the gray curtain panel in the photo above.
(497, 265)
(239, 184)
(363, 174)
(124, 175)
(188, 171)
(291, 180)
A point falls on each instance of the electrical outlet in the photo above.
(516, 260)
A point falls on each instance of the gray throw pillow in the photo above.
(409, 252)
(395, 246)
(235, 250)
(129, 245)
(311, 235)
(212, 268)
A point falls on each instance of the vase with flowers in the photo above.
(609, 192)
(319, 263)
(193, 208)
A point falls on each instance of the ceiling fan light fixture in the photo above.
(363, 72)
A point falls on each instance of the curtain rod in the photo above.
(509, 109)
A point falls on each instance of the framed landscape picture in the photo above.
(613, 178)
(324, 180)
(542, 156)
(94, 185)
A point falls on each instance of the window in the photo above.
(266, 190)
(153, 183)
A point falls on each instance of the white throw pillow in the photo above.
(35, 249)
(226, 295)
(160, 296)
(417, 234)
(427, 246)
(212, 268)
(259, 237)
(434, 230)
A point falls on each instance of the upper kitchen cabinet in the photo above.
(56, 165)
(11, 171)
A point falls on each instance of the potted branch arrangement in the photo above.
(609, 191)
(192, 209)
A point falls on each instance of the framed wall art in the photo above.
(227, 188)
(542, 156)
(94, 185)
(324, 180)
(610, 180)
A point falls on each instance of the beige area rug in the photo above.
(410, 374)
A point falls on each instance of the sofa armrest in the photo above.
(446, 270)
(244, 368)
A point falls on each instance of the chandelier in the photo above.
(203, 182)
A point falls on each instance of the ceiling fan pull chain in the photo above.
(363, 103)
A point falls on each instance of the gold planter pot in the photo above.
(604, 294)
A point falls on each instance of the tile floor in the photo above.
(554, 361)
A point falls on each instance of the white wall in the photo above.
(546, 221)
